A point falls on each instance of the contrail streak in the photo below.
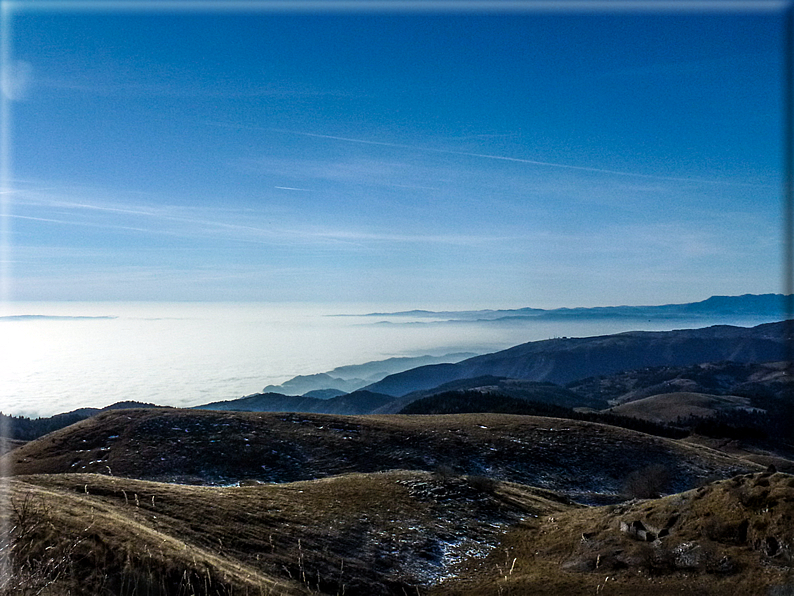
(547, 164)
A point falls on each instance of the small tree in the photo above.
(647, 483)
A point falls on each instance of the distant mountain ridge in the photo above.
(568, 359)
(351, 377)
(358, 402)
(358, 376)
(761, 305)
(527, 370)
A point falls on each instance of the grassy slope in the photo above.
(731, 537)
(7, 445)
(382, 533)
(745, 450)
(353, 534)
(669, 407)
(407, 532)
(87, 544)
(190, 446)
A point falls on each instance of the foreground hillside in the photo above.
(395, 533)
(730, 537)
(590, 462)
(354, 534)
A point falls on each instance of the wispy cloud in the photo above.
(233, 225)
(473, 196)
(359, 170)
(451, 239)
(67, 222)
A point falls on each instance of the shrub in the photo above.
(647, 483)
(719, 530)
(483, 484)
(444, 473)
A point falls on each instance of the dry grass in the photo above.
(384, 505)
(64, 542)
(585, 460)
(731, 537)
(743, 449)
(354, 534)
(7, 445)
(668, 408)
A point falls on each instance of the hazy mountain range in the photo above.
(525, 371)
(567, 359)
(345, 379)
(395, 383)
(760, 305)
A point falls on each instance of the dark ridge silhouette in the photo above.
(568, 359)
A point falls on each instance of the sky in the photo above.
(471, 158)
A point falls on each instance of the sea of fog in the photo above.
(56, 357)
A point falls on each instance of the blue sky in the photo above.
(479, 159)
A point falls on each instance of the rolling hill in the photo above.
(358, 402)
(358, 534)
(762, 380)
(213, 501)
(675, 407)
(587, 461)
(393, 533)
